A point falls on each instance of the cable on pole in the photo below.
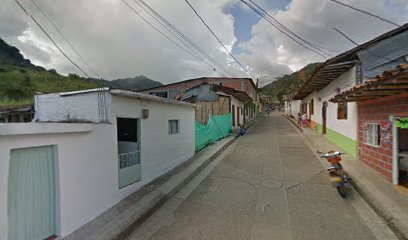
(182, 35)
(164, 35)
(282, 31)
(366, 12)
(311, 44)
(218, 39)
(355, 43)
(64, 37)
(102, 107)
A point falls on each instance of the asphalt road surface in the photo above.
(267, 185)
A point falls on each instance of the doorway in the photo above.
(403, 157)
(238, 120)
(324, 117)
(32, 193)
(128, 133)
(233, 115)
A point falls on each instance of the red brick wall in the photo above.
(378, 111)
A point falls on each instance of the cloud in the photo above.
(314, 20)
(117, 44)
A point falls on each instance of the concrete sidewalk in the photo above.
(388, 200)
(121, 220)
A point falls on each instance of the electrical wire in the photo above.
(102, 107)
(355, 43)
(51, 39)
(366, 12)
(218, 39)
(164, 35)
(311, 44)
(183, 36)
(64, 37)
(282, 31)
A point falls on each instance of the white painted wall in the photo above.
(160, 150)
(87, 157)
(347, 127)
(70, 108)
(292, 107)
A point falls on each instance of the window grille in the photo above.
(373, 134)
(174, 127)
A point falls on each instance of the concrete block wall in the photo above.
(378, 111)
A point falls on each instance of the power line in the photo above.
(366, 12)
(280, 30)
(102, 106)
(311, 44)
(355, 43)
(65, 38)
(174, 30)
(216, 37)
(164, 35)
(50, 38)
(182, 35)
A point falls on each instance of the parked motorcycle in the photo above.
(339, 179)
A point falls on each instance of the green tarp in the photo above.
(218, 127)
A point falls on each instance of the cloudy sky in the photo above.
(117, 43)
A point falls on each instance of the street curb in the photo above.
(159, 202)
(156, 203)
(122, 225)
(376, 206)
(293, 122)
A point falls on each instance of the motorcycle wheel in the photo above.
(341, 191)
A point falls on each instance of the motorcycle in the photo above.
(338, 178)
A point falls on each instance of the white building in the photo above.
(292, 107)
(80, 159)
(338, 121)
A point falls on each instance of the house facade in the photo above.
(215, 99)
(291, 107)
(252, 109)
(383, 122)
(76, 165)
(338, 121)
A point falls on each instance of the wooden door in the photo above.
(324, 117)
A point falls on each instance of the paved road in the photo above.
(268, 185)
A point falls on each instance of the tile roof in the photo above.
(392, 82)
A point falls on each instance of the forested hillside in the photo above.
(20, 79)
(287, 83)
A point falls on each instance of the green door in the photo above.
(31, 194)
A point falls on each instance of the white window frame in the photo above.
(373, 135)
(174, 129)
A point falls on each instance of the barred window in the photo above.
(373, 134)
(174, 126)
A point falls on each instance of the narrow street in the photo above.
(268, 185)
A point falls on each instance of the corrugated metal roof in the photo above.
(384, 51)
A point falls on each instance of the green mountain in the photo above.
(288, 83)
(136, 83)
(20, 80)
